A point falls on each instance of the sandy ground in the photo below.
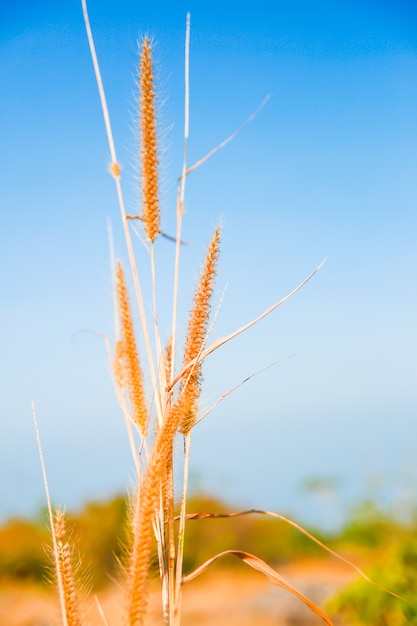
(222, 597)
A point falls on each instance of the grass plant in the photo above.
(158, 420)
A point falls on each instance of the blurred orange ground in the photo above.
(220, 597)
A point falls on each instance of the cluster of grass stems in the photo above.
(155, 423)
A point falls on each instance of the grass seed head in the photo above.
(149, 148)
(196, 334)
(127, 353)
(66, 575)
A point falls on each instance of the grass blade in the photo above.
(220, 342)
(195, 516)
(262, 567)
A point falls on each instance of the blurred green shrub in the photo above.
(369, 527)
(23, 551)
(361, 604)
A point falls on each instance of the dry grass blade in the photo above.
(220, 342)
(115, 167)
(242, 382)
(51, 521)
(226, 141)
(262, 567)
(195, 516)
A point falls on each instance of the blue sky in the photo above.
(328, 168)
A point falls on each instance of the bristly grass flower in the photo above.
(172, 410)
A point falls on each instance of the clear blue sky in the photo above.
(328, 168)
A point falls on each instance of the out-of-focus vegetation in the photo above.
(370, 527)
(361, 605)
(98, 534)
(100, 538)
(23, 550)
(392, 547)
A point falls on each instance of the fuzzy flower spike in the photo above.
(149, 148)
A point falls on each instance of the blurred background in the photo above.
(327, 169)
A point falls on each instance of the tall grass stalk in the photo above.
(169, 411)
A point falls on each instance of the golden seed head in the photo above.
(196, 334)
(153, 485)
(128, 354)
(149, 150)
(66, 575)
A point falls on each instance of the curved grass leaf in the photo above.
(262, 567)
(220, 342)
(194, 516)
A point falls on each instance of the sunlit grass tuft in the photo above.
(164, 411)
